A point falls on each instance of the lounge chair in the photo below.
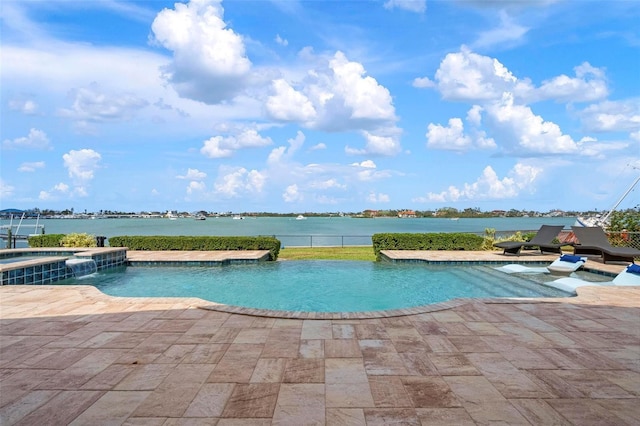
(593, 240)
(630, 276)
(543, 240)
(564, 265)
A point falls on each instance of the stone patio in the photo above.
(71, 355)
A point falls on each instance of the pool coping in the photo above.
(134, 257)
(389, 313)
(46, 254)
(192, 258)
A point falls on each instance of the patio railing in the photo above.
(625, 239)
(322, 240)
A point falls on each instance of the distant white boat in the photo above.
(300, 217)
(455, 218)
(200, 217)
(172, 214)
(603, 220)
(238, 217)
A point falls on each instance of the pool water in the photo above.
(320, 286)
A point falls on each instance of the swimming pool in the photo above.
(321, 286)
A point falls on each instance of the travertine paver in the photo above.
(71, 355)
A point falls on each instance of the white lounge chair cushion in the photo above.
(558, 266)
(515, 268)
(626, 278)
(563, 267)
(570, 284)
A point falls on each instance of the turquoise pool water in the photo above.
(320, 286)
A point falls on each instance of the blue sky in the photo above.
(293, 106)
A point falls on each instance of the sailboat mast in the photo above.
(606, 217)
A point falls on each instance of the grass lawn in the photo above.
(327, 253)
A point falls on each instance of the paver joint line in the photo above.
(72, 354)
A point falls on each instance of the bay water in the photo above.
(312, 231)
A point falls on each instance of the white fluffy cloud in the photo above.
(503, 99)
(454, 138)
(196, 184)
(128, 86)
(193, 174)
(291, 194)
(239, 181)
(58, 67)
(362, 95)
(378, 197)
(287, 104)
(508, 32)
(339, 96)
(221, 147)
(25, 106)
(588, 85)
(377, 144)
(6, 190)
(318, 147)
(525, 132)
(196, 187)
(281, 41)
(474, 115)
(471, 77)
(214, 147)
(612, 116)
(93, 105)
(417, 6)
(36, 139)
(327, 184)
(449, 138)
(59, 190)
(468, 76)
(489, 186)
(367, 164)
(209, 60)
(82, 164)
(367, 171)
(31, 166)
(284, 154)
(423, 82)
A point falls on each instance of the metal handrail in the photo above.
(630, 239)
(322, 239)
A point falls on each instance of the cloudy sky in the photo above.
(293, 106)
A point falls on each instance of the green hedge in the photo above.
(46, 240)
(433, 241)
(202, 243)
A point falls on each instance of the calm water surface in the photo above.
(291, 232)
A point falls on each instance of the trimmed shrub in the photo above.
(432, 241)
(78, 240)
(490, 238)
(46, 240)
(199, 243)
